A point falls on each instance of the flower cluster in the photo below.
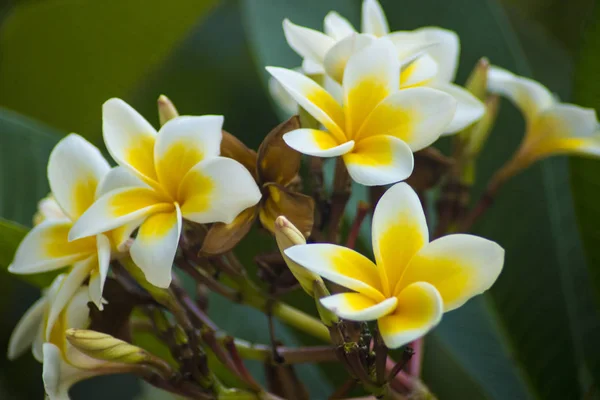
(184, 196)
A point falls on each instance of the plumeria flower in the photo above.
(63, 364)
(48, 208)
(552, 127)
(76, 170)
(413, 281)
(377, 127)
(180, 176)
(429, 57)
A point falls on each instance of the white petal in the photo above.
(310, 67)
(59, 375)
(418, 116)
(567, 121)
(217, 190)
(155, 246)
(528, 95)
(282, 98)
(373, 19)
(75, 168)
(129, 138)
(399, 231)
(182, 143)
(358, 307)
(459, 266)
(419, 310)
(337, 57)
(410, 45)
(340, 265)
(118, 178)
(77, 312)
(46, 247)
(446, 52)
(70, 285)
(379, 160)
(308, 43)
(98, 276)
(371, 75)
(337, 26)
(24, 334)
(316, 143)
(469, 108)
(419, 71)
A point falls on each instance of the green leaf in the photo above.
(60, 60)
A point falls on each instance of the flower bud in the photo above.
(166, 109)
(287, 235)
(477, 81)
(101, 346)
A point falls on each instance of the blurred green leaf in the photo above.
(61, 59)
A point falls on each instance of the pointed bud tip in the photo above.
(282, 222)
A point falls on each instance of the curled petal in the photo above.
(155, 246)
(223, 237)
(317, 143)
(24, 334)
(445, 52)
(296, 207)
(217, 190)
(129, 139)
(358, 307)
(232, 147)
(419, 71)
(379, 160)
(373, 19)
(528, 95)
(98, 275)
(308, 43)
(341, 265)
(282, 98)
(419, 309)
(277, 162)
(182, 143)
(75, 168)
(46, 247)
(417, 116)
(337, 26)
(337, 58)
(118, 178)
(399, 231)
(459, 266)
(469, 108)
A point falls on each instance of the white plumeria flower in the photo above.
(413, 281)
(429, 57)
(75, 171)
(552, 127)
(183, 178)
(377, 127)
(63, 364)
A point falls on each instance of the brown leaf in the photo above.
(296, 207)
(232, 147)
(277, 162)
(223, 237)
(430, 166)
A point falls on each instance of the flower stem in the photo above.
(339, 198)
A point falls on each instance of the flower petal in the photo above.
(316, 143)
(399, 231)
(118, 178)
(340, 265)
(358, 307)
(418, 116)
(282, 98)
(469, 108)
(155, 246)
(221, 237)
(217, 190)
(419, 71)
(75, 168)
(296, 207)
(59, 375)
(277, 162)
(129, 139)
(337, 26)
(314, 99)
(98, 275)
(371, 75)
(118, 208)
(373, 19)
(445, 53)
(565, 128)
(232, 147)
(379, 160)
(529, 96)
(182, 143)
(308, 43)
(419, 309)
(24, 334)
(459, 266)
(46, 247)
(69, 286)
(337, 57)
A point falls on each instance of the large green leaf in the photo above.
(61, 59)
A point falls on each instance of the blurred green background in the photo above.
(535, 335)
